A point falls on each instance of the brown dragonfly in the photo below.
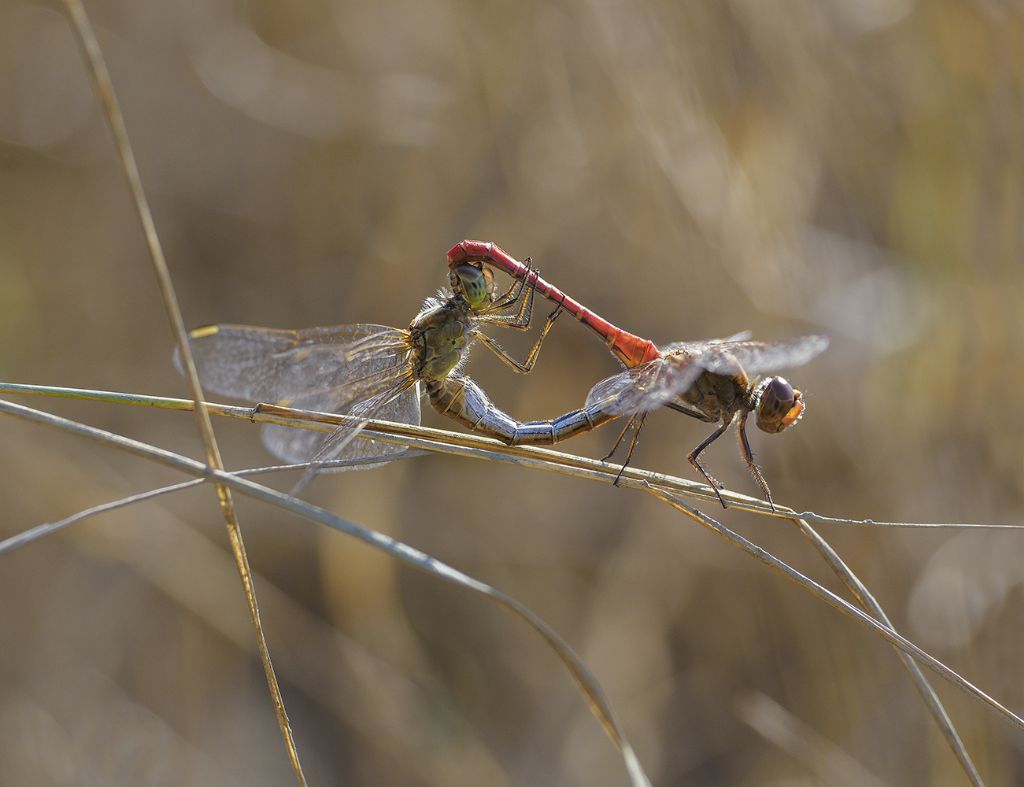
(713, 380)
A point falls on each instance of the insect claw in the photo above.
(558, 310)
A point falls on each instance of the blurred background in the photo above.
(687, 170)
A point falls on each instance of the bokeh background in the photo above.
(687, 169)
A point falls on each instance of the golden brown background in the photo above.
(689, 170)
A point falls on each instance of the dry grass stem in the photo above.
(826, 595)
(468, 445)
(686, 174)
(456, 443)
(105, 89)
(579, 672)
(823, 758)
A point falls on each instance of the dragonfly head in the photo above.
(473, 282)
(778, 405)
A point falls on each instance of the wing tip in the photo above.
(203, 331)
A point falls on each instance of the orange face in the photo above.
(780, 405)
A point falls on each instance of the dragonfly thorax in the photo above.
(439, 336)
(718, 396)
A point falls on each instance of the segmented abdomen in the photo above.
(462, 399)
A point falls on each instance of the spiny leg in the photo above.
(523, 367)
(549, 323)
(619, 439)
(639, 418)
(512, 294)
(525, 314)
(515, 290)
(520, 321)
(692, 413)
(526, 366)
(692, 459)
(748, 457)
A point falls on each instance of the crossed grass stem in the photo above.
(663, 487)
(589, 687)
(97, 67)
(655, 484)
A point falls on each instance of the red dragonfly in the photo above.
(709, 380)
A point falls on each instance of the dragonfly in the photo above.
(714, 380)
(371, 371)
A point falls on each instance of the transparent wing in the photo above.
(657, 382)
(644, 387)
(281, 366)
(759, 357)
(742, 336)
(333, 369)
(396, 402)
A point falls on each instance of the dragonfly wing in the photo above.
(759, 357)
(304, 445)
(347, 369)
(281, 366)
(696, 347)
(646, 386)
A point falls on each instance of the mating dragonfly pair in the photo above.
(373, 372)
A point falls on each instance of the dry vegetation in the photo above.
(690, 170)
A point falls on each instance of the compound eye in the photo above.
(780, 405)
(474, 283)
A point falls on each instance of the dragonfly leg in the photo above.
(696, 452)
(639, 418)
(531, 357)
(619, 439)
(525, 313)
(692, 413)
(512, 294)
(515, 290)
(520, 321)
(525, 366)
(748, 457)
